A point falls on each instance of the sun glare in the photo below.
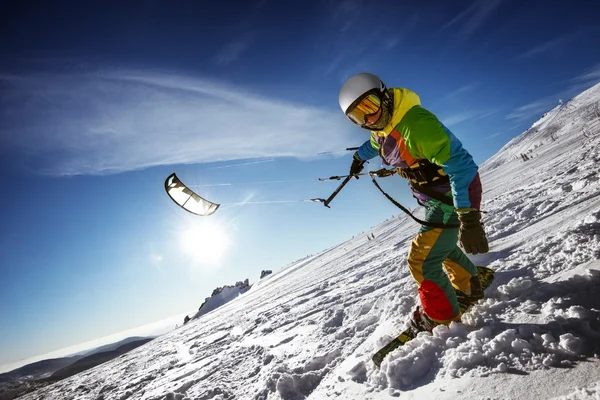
(205, 242)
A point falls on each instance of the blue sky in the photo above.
(101, 101)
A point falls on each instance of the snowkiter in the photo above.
(443, 178)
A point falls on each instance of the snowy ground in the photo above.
(309, 330)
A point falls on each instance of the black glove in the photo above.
(471, 234)
(357, 165)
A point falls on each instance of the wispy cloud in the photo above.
(347, 13)
(339, 18)
(469, 20)
(550, 46)
(582, 82)
(232, 51)
(389, 44)
(120, 120)
(397, 35)
(591, 76)
(469, 115)
(532, 109)
(574, 87)
(494, 135)
(460, 91)
(456, 119)
(243, 164)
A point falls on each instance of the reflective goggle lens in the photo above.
(367, 106)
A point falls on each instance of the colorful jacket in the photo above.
(415, 134)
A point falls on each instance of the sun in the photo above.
(205, 242)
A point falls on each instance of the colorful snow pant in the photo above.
(432, 249)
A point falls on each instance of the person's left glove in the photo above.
(471, 234)
(357, 165)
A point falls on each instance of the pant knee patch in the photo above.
(436, 303)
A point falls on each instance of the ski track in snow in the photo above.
(309, 330)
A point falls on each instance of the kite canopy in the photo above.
(187, 199)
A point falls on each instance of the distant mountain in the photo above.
(113, 346)
(33, 376)
(95, 359)
(39, 369)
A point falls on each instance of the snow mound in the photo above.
(222, 295)
(561, 334)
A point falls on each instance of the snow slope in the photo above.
(309, 330)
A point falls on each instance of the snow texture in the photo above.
(309, 330)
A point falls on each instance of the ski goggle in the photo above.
(368, 106)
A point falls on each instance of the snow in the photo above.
(590, 392)
(309, 330)
(221, 296)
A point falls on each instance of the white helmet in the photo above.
(363, 96)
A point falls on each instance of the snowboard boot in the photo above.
(476, 289)
(465, 300)
(420, 322)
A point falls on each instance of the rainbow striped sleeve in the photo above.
(369, 149)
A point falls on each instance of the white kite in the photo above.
(185, 198)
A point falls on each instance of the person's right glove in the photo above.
(357, 165)
(471, 234)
